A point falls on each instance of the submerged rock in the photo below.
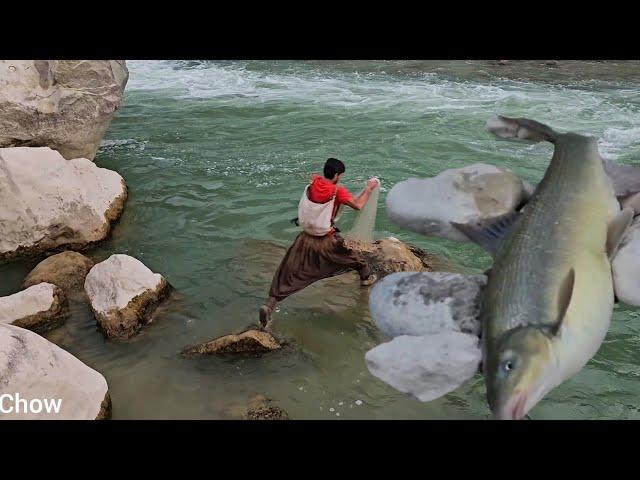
(39, 308)
(34, 368)
(251, 341)
(260, 407)
(66, 270)
(463, 195)
(123, 293)
(425, 303)
(427, 366)
(47, 202)
(626, 266)
(63, 104)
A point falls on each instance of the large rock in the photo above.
(251, 341)
(39, 308)
(427, 366)
(123, 293)
(390, 255)
(434, 319)
(63, 104)
(426, 303)
(34, 368)
(626, 266)
(67, 270)
(47, 202)
(463, 195)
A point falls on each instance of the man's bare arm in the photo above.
(361, 200)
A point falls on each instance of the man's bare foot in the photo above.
(265, 316)
(370, 280)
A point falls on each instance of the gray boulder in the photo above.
(462, 195)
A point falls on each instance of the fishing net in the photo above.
(361, 234)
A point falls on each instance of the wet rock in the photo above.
(427, 366)
(47, 202)
(63, 104)
(251, 341)
(626, 266)
(262, 408)
(390, 255)
(426, 303)
(35, 368)
(66, 270)
(462, 195)
(123, 293)
(39, 308)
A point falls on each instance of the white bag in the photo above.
(315, 218)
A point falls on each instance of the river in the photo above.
(216, 155)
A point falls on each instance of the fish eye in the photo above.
(507, 365)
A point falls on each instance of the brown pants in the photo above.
(310, 259)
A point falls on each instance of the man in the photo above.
(313, 257)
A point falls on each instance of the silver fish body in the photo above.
(554, 253)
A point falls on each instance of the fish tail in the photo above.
(521, 128)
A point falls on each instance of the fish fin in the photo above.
(520, 129)
(564, 298)
(616, 229)
(624, 178)
(490, 232)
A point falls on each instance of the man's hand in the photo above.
(372, 183)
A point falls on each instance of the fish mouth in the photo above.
(514, 408)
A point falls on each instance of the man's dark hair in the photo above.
(333, 166)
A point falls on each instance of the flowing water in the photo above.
(216, 155)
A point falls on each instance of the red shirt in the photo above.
(322, 189)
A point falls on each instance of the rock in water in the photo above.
(35, 368)
(262, 408)
(63, 104)
(389, 255)
(123, 293)
(47, 202)
(66, 270)
(426, 303)
(462, 195)
(626, 266)
(427, 366)
(251, 341)
(39, 308)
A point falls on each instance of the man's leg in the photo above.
(353, 261)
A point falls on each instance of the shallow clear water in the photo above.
(216, 155)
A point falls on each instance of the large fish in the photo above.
(549, 297)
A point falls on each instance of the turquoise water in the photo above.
(216, 154)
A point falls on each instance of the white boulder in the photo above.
(462, 195)
(434, 317)
(123, 293)
(427, 366)
(626, 266)
(35, 372)
(63, 104)
(47, 202)
(38, 308)
(426, 303)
